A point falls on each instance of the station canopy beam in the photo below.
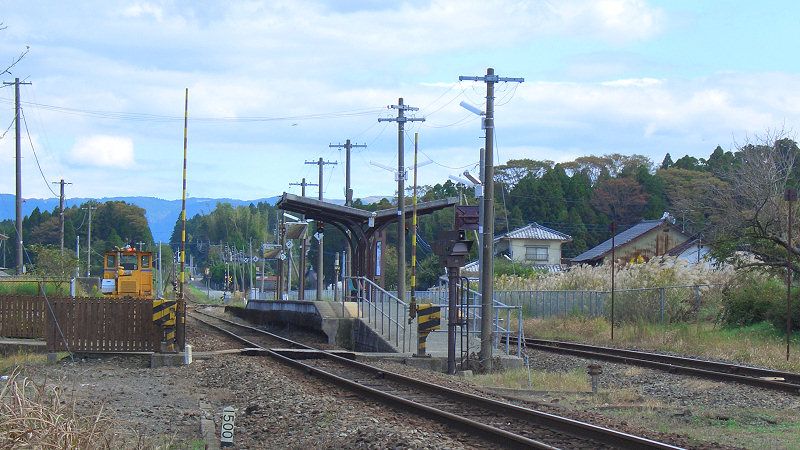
(357, 221)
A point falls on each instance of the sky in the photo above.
(271, 84)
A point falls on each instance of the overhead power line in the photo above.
(147, 117)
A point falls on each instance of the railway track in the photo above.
(500, 422)
(754, 376)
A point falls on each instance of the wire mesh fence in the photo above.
(667, 304)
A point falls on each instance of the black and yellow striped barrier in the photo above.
(165, 318)
(428, 321)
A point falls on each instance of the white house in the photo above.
(532, 244)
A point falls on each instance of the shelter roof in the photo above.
(331, 212)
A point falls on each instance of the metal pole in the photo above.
(481, 217)
(401, 203)
(160, 274)
(18, 198)
(180, 329)
(412, 311)
(613, 272)
(487, 271)
(61, 211)
(301, 293)
(320, 255)
(89, 244)
(790, 195)
(18, 204)
(452, 317)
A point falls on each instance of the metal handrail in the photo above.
(379, 312)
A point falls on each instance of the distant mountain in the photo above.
(161, 214)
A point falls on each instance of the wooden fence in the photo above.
(81, 325)
(94, 325)
(22, 316)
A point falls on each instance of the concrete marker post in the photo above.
(226, 430)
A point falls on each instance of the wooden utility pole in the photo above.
(487, 273)
(90, 208)
(320, 256)
(401, 176)
(301, 293)
(61, 210)
(18, 204)
(348, 198)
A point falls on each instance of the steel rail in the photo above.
(753, 376)
(571, 427)
(283, 340)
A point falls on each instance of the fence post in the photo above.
(520, 324)
(661, 302)
(697, 301)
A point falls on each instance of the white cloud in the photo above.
(139, 10)
(104, 151)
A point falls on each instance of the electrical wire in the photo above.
(119, 115)
(8, 129)
(35, 157)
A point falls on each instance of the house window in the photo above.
(536, 253)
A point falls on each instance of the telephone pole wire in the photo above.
(401, 176)
(301, 292)
(320, 284)
(487, 272)
(16, 83)
(61, 210)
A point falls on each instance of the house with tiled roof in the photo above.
(646, 239)
(532, 244)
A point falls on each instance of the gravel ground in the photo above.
(280, 407)
(671, 389)
(277, 406)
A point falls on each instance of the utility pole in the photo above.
(301, 290)
(61, 210)
(487, 273)
(89, 241)
(20, 263)
(348, 197)
(320, 282)
(401, 176)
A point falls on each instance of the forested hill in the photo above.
(160, 213)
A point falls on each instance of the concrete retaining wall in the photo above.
(326, 318)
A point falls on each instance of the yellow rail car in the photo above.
(128, 272)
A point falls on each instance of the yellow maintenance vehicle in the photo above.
(128, 273)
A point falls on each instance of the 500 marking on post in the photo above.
(226, 433)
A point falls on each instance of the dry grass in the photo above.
(575, 381)
(37, 415)
(757, 345)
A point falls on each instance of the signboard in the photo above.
(467, 217)
(226, 430)
(295, 230)
(378, 256)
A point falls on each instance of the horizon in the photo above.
(271, 87)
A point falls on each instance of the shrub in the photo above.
(751, 298)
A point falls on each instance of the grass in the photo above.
(55, 289)
(574, 381)
(759, 344)
(745, 427)
(9, 363)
